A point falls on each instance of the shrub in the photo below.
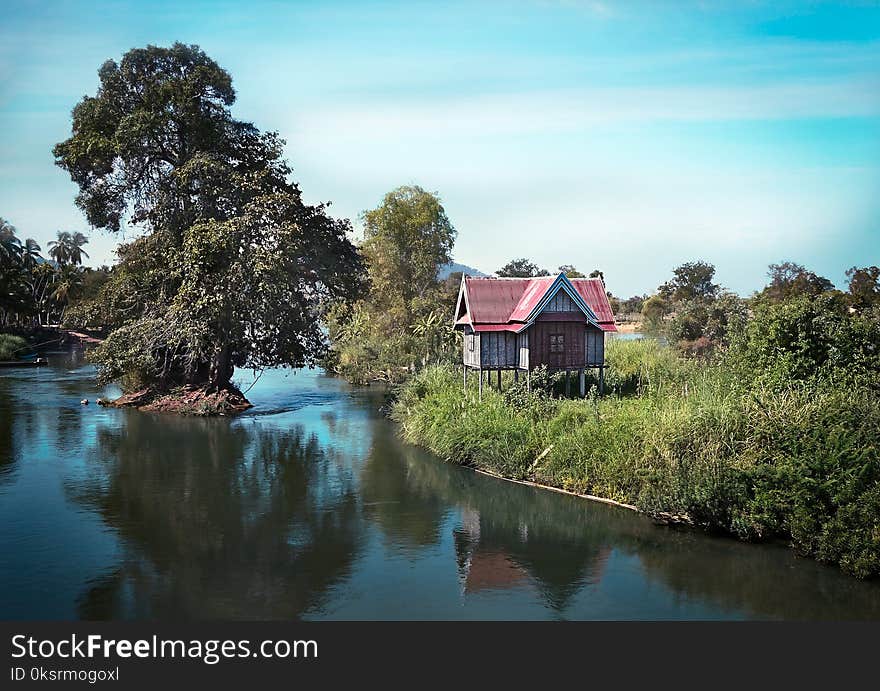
(11, 347)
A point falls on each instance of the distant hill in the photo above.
(452, 267)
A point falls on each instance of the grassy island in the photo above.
(776, 436)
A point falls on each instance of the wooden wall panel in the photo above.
(561, 302)
(471, 345)
(584, 347)
(499, 349)
(522, 340)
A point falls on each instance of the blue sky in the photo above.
(629, 136)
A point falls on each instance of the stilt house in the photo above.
(522, 323)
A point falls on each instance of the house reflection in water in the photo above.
(495, 555)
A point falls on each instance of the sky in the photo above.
(624, 136)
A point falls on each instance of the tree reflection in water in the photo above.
(218, 520)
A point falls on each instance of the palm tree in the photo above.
(68, 278)
(30, 253)
(10, 245)
(67, 249)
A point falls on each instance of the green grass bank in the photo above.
(749, 455)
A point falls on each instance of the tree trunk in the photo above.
(221, 370)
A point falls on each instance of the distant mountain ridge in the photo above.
(452, 267)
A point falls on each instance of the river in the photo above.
(310, 507)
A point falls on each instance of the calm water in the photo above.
(309, 507)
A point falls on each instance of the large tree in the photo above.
(864, 285)
(404, 320)
(407, 239)
(690, 281)
(570, 271)
(233, 268)
(788, 279)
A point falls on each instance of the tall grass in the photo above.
(800, 462)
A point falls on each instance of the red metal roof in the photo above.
(592, 290)
(505, 304)
(497, 327)
(534, 290)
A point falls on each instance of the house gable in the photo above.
(462, 310)
(560, 297)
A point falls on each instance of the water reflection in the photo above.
(516, 538)
(219, 520)
(408, 512)
(310, 507)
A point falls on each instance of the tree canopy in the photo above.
(570, 271)
(233, 269)
(405, 318)
(521, 268)
(691, 280)
(864, 285)
(788, 279)
(68, 248)
(407, 239)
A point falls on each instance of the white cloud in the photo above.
(574, 109)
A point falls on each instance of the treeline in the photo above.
(37, 291)
(403, 322)
(699, 315)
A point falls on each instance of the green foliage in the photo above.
(809, 338)
(632, 305)
(653, 311)
(864, 286)
(700, 324)
(571, 272)
(644, 366)
(790, 280)
(33, 291)
(690, 281)
(12, 347)
(521, 268)
(234, 269)
(404, 322)
(537, 394)
(68, 248)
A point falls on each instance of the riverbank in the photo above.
(799, 464)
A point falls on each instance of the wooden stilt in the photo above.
(499, 381)
(465, 377)
(601, 380)
(529, 380)
(567, 383)
(582, 380)
(481, 384)
(516, 375)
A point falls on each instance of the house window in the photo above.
(557, 343)
(471, 343)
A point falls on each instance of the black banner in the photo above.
(142, 655)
